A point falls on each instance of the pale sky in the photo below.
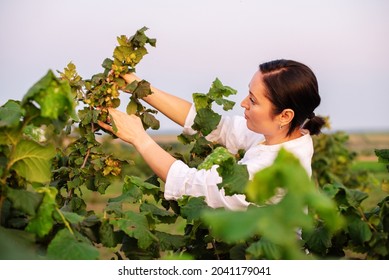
(345, 42)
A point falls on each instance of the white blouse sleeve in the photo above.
(183, 180)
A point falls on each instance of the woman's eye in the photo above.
(252, 100)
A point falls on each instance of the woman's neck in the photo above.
(281, 138)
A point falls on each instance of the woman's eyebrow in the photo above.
(252, 95)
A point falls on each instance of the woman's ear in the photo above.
(286, 117)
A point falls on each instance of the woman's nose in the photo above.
(244, 103)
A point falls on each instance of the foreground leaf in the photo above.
(53, 95)
(66, 246)
(33, 161)
(277, 223)
(136, 226)
(42, 223)
(24, 200)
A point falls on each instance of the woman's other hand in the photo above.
(129, 127)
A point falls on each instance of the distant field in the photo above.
(365, 143)
(165, 138)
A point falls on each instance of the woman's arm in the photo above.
(173, 107)
(130, 130)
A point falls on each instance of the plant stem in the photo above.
(85, 159)
(365, 219)
(64, 220)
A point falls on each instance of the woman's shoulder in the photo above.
(239, 132)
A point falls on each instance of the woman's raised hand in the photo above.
(129, 127)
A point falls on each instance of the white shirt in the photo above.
(232, 132)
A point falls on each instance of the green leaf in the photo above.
(114, 207)
(17, 245)
(24, 200)
(142, 89)
(11, 114)
(121, 52)
(235, 176)
(133, 190)
(201, 101)
(161, 215)
(202, 147)
(149, 121)
(277, 221)
(147, 188)
(235, 179)
(140, 39)
(42, 223)
(107, 234)
(54, 97)
(285, 172)
(132, 107)
(382, 154)
(378, 244)
(232, 226)
(355, 197)
(186, 139)
(88, 116)
(72, 217)
(206, 121)
(122, 40)
(325, 208)
(33, 161)
(319, 240)
(238, 251)
(192, 208)
(9, 136)
(101, 182)
(345, 197)
(107, 63)
(136, 226)
(218, 90)
(169, 241)
(265, 249)
(132, 194)
(359, 230)
(131, 87)
(66, 246)
(219, 156)
(227, 104)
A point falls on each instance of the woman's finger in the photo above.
(105, 126)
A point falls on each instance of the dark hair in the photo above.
(293, 85)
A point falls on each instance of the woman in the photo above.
(279, 112)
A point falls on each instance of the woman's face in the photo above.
(258, 108)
